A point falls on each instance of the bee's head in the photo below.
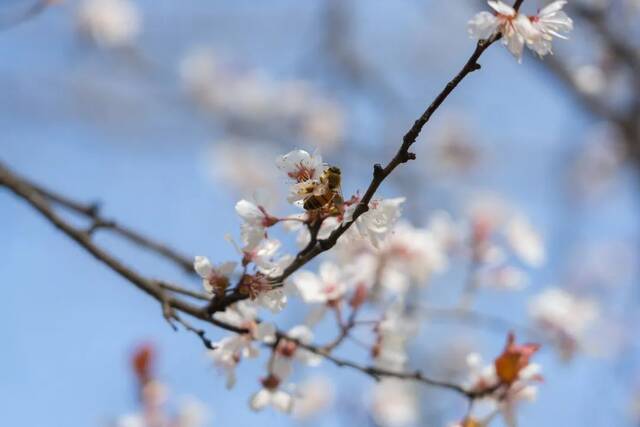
(334, 170)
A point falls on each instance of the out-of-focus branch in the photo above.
(598, 20)
(92, 212)
(34, 10)
(625, 119)
(478, 320)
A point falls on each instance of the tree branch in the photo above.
(156, 289)
(92, 212)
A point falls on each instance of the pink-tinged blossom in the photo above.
(301, 166)
(239, 162)
(327, 227)
(506, 21)
(229, 351)
(256, 220)
(496, 227)
(289, 350)
(503, 277)
(261, 292)
(565, 317)
(410, 256)
(215, 280)
(518, 30)
(393, 333)
(550, 22)
(324, 288)
(304, 170)
(378, 221)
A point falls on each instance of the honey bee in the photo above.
(327, 192)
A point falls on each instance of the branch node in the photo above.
(405, 156)
(475, 66)
(326, 244)
(93, 210)
(378, 171)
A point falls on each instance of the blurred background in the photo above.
(168, 112)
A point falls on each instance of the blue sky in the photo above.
(69, 323)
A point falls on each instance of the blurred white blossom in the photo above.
(313, 397)
(394, 403)
(109, 23)
(565, 317)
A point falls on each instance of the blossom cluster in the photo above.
(337, 284)
(252, 100)
(364, 282)
(518, 30)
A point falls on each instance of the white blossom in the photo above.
(590, 79)
(324, 124)
(506, 21)
(255, 223)
(504, 277)
(289, 350)
(131, 420)
(313, 397)
(191, 413)
(279, 399)
(230, 350)
(395, 403)
(550, 22)
(214, 279)
(518, 30)
(240, 164)
(304, 170)
(110, 23)
(410, 255)
(390, 351)
(323, 288)
(378, 221)
(301, 166)
(525, 241)
(274, 300)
